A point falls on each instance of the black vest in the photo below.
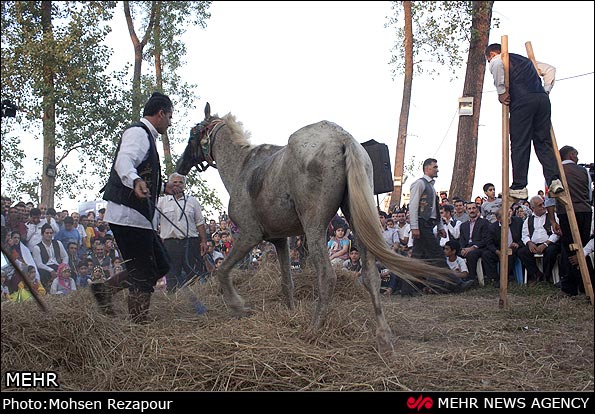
(45, 255)
(547, 225)
(149, 170)
(523, 77)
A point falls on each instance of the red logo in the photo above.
(420, 403)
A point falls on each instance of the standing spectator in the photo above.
(530, 117)
(34, 225)
(69, 234)
(451, 225)
(474, 238)
(460, 213)
(425, 212)
(182, 229)
(579, 186)
(132, 190)
(491, 204)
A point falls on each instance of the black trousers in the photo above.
(550, 254)
(427, 247)
(530, 121)
(146, 259)
(186, 260)
(571, 280)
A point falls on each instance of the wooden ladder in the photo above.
(563, 197)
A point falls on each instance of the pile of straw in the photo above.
(463, 342)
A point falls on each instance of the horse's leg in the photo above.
(371, 280)
(286, 281)
(241, 247)
(326, 274)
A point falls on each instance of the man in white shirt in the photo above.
(48, 254)
(180, 225)
(530, 117)
(131, 191)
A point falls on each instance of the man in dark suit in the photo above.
(474, 238)
(491, 256)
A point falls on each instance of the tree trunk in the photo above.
(463, 174)
(138, 55)
(169, 167)
(49, 107)
(395, 200)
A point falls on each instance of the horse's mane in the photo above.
(238, 134)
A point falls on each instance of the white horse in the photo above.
(277, 192)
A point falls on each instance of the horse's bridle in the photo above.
(205, 133)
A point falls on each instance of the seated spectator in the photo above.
(338, 247)
(354, 263)
(48, 255)
(473, 239)
(63, 283)
(539, 238)
(455, 262)
(491, 256)
(84, 275)
(388, 280)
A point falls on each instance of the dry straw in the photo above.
(462, 342)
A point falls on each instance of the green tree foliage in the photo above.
(88, 101)
(441, 33)
(163, 56)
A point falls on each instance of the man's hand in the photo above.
(556, 228)
(504, 98)
(573, 260)
(203, 248)
(415, 233)
(140, 188)
(442, 233)
(172, 189)
(532, 247)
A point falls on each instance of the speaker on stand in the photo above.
(383, 176)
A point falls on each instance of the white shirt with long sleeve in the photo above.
(134, 149)
(548, 73)
(539, 233)
(52, 259)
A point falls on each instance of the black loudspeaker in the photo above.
(383, 176)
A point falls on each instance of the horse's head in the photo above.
(198, 149)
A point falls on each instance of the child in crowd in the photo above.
(63, 283)
(354, 262)
(455, 262)
(84, 276)
(338, 247)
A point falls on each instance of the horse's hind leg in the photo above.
(371, 280)
(286, 281)
(241, 247)
(326, 274)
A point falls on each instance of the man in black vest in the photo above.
(424, 210)
(530, 117)
(132, 190)
(539, 238)
(579, 187)
(48, 255)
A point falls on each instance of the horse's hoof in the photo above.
(242, 312)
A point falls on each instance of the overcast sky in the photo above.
(281, 66)
(278, 66)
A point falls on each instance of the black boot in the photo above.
(138, 306)
(104, 290)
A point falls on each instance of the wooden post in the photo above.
(565, 199)
(504, 250)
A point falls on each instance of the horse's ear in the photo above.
(207, 111)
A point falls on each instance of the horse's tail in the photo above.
(364, 217)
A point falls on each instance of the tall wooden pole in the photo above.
(565, 199)
(504, 249)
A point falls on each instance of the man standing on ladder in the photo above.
(530, 117)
